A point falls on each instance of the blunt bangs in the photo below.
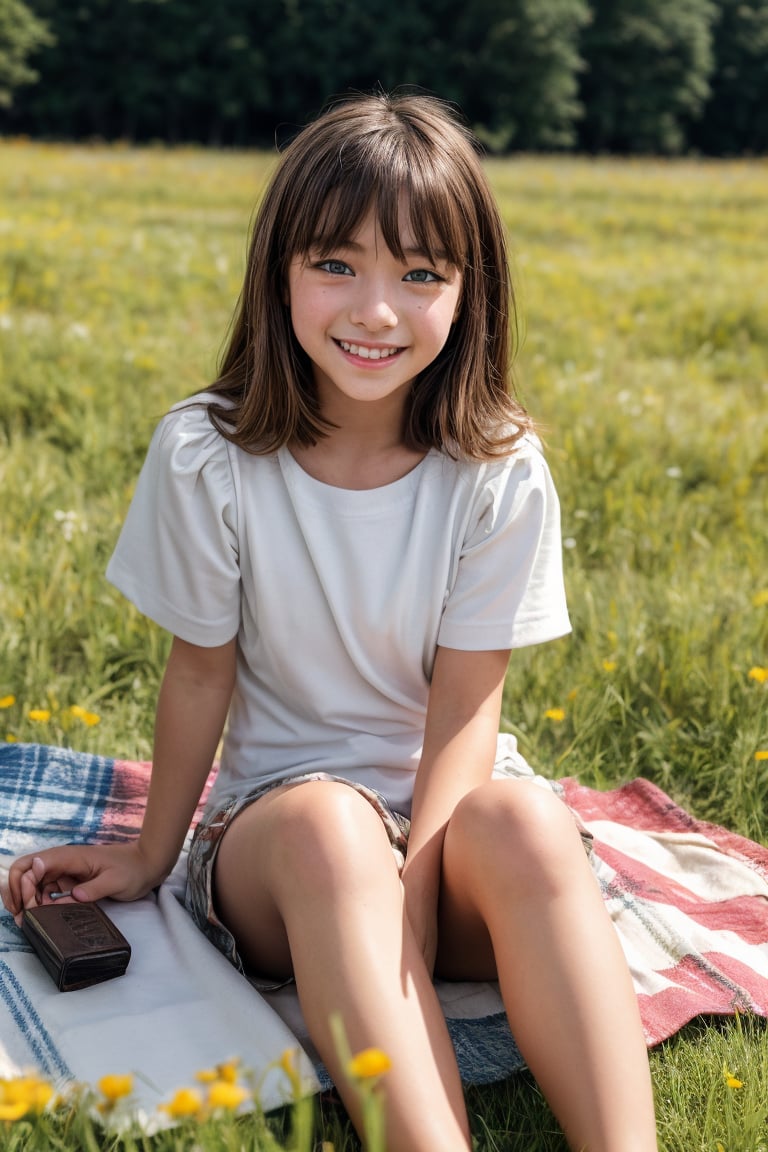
(394, 170)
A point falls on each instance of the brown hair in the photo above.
(365, 151)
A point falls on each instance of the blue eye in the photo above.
(421, 276)
(336, 268)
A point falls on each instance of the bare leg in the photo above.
(306, 880)
(513, 861)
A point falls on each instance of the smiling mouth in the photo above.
(368, 353)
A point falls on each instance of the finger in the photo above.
(15, 872)
(28, 895)
(69, 861)
(59, 891)
(31, 895)
(99, 887)
(44, 870)
(24, 863)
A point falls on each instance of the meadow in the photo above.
(643, 355)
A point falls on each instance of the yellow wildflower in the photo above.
(609, 665)
(41, 1095)
(23, 1094)
(39, 714)
(206, 1076)
(186, 1102)
(11, 739)
(730, 1079)
(556, 715)
(761, 754)
(720, 1147)
(225, 1094)
(115, 1086)
(289, 1064)
(758, 674)
(228, 1071)
(89, 718)
(369, 1064)
(13, 1111)
(7, 701)
(760, 598)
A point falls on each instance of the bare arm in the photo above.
(192, 708)
(459, 752)
(191, 711)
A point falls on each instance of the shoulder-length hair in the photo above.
(390, 153)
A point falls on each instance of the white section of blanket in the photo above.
(180, 1007)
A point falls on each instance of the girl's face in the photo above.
(369, 322)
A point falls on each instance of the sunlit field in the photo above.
(643, 335)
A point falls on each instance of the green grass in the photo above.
(644, 357)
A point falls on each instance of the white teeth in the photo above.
(367, 353)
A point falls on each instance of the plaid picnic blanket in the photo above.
(689, 901)
(180, 1008)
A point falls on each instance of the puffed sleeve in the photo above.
(177, 556)
(508, 590)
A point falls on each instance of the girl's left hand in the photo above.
(36, 889)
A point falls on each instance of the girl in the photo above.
(346, 535)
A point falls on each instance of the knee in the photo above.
(517, 832)
(327, 838)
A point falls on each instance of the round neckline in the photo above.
(353, 502)
(286, 455)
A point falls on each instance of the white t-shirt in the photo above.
(338, 598)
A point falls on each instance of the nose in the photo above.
(372, 309)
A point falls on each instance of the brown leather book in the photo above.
(78, 943)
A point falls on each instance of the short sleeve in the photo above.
(177, 556)
(509, 590)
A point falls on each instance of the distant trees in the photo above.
(735, 118)
(598, 75)
(20, 35)
(171, 69)
(647, 75)
(515, 69)
(228, 72)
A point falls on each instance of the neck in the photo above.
(366, 451)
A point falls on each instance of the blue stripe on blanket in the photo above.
(11, 938)
(42, 1050)
(485, 1049)
(47, 796)
(50, 794)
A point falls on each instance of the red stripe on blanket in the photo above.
(128, 795)
(694, 992)
(644, 807)
(746, 916)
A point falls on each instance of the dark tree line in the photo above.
(595, 75)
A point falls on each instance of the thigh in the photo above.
(464, 948)
(295, 853)
(506, 839)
